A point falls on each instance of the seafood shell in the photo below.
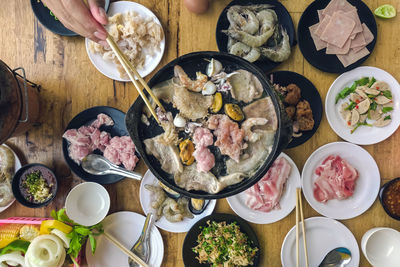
(197, 205)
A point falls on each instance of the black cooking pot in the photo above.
(192, 63)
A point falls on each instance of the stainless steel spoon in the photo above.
(338, 257)
(142, 245)
(99, 165)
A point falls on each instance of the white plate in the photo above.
(367, 184)
(126, 227)
(108, 68)
(17, 166)
(287, 202)
(323, 235)
(177, 227)
(363, 135)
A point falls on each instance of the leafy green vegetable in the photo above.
(360, 124)
(351, 106)
(371, 82)
(386, 109)
(363, 81)
(387, 118)
(373, 105)
(387, 94)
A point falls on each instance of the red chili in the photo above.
(357, 107)
(348, 123)
(377, 87)
(357, 101)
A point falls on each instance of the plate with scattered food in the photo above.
(100, 130)
(340, 180)
(273, 197)
(302, 103)
(139, 35)
(221, 239)
(338, 35)
(261, 32)
(173, 212)
(323, 235)
(363, 105)
(10, 164)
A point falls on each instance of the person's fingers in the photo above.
(96, 7)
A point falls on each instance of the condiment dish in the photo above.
(87, 203)
(390, 190)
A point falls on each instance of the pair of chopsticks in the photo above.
(132, 72)
(299, 209)
(130, 254)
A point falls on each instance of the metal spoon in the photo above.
(99, 165)
(337, 257)
(142, 245)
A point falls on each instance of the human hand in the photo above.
(85, 20)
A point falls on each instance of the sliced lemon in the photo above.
(385, 11)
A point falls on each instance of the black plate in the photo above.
(17, 193)
(192, 63)
(48, 20)
(382, 191)
(309, 93)
(189, 257)
(284, 19)
(320, 60)
(85, 118)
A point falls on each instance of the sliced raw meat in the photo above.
(320, 14)
(319, 44)
(265, 107)
(368, 37)
(331, 49)
(121, 150)
(322, 25)
(359, 41)
(202, 138)
(339, 29)
(354, 16)
(75, 137)
(265, 195)
(352, 56)
(336, 179)
(102, 119)
(336, 5)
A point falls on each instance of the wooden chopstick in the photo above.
(132, 72)
(299, 209)
(130, 254)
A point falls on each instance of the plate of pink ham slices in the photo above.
(273, 197)
(340, 180)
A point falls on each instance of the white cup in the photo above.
(381, 247)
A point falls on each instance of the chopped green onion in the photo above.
(371, 82)
(387, 94)
(386, 109)
(387, 118)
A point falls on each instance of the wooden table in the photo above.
(70, 84)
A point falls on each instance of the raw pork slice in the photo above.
(121, 150)
(102, 119)
(322, 25)
(336, 179)
(336, 5)
(202, 138)
(265, 195)
(339, 29)
(331, 49)
(319, 44)
(352, 56)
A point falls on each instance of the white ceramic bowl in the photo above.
(381, 246)
(87, 203)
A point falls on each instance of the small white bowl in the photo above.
(87, 203)
(381, 246)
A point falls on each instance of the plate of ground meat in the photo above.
(302, 103)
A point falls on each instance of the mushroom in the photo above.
(381, 100)
(381, 86)
(372, 91)
(363, 106)
(361, 93)
(355, 116)
(382, 122)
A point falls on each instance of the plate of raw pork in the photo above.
(273, 197)
(340, 180)
(100, 130)
(338, 35)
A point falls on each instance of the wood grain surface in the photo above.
(70, 84)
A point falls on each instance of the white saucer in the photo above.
(287, 202)
(17, 166)
(163, 223)
(108, 68)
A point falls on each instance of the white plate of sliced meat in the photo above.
(273, 197)
(340, 180)
(337, 35)
(372, 133)
(323, 235)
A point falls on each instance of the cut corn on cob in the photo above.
(9, 233)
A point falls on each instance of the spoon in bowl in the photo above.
(338, 257)
(99, 165)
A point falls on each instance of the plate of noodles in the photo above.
(139, 35)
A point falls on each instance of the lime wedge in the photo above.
(385, 11)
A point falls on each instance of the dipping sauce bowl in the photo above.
(381, 247)
(389, 196)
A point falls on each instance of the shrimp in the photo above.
(267, 19)
(158, 197)
(196, 85)
(171, 210)
(248, 124)
(251, 54)
(279, 53)
(243, 19)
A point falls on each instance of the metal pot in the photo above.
(19, 102)
(191, 63)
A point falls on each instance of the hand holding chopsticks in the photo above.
(299, 209)
(132, 72)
